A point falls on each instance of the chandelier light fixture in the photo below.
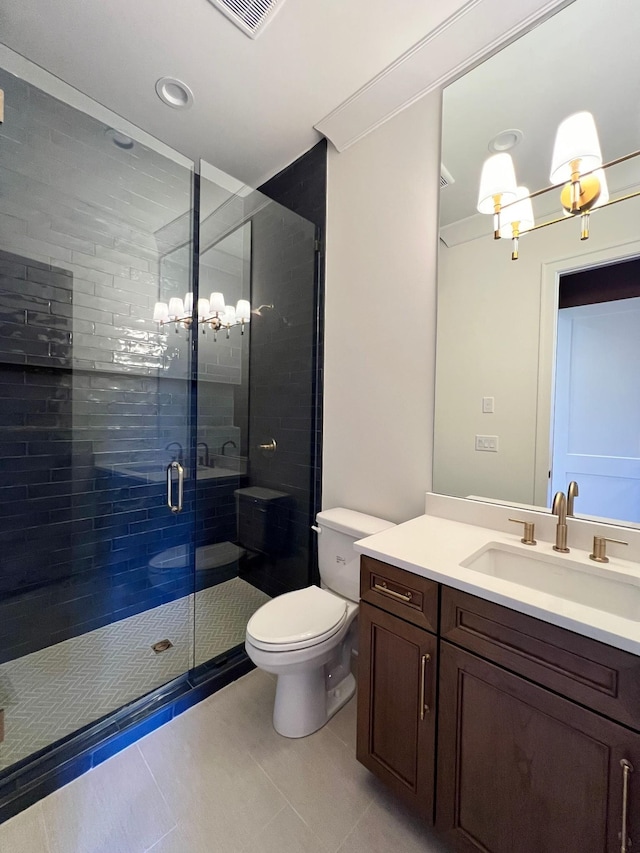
(576, 166)
(212, 313)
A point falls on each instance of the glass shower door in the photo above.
(256, 428)
(97, 568)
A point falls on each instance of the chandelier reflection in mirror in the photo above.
(576, 167)
(211, 313)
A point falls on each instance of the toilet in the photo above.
(213, 563)
(306, 637)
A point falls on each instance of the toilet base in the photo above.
(303, 703)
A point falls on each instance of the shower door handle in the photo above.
(171, 467)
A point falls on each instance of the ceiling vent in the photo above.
(251, 16)
(446, 177)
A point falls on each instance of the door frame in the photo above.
(549, 298)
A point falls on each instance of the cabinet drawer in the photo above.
(404, 594)
(596, 675)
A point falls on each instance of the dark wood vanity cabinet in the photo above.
(521, 769)
(538, 728)
(397, 666)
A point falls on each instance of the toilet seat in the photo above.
(297, 620)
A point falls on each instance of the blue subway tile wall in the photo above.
(91, 389)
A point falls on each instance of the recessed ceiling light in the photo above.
(174, 93)
(505, 140)
(120, 139)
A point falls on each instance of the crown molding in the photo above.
(476, 31)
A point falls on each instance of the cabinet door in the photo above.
(396, 713)
(522, 769)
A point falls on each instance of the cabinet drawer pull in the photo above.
(627, 769)
(402, 596)
(424, 708)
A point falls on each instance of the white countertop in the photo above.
(435, 547)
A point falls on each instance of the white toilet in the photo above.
(306, 637)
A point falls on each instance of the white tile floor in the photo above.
(218, 779)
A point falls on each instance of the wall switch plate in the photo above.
(487, 405)
(487, 442)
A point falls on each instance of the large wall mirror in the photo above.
(538, 359)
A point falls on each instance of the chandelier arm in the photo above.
(540, 225)
(544, 190)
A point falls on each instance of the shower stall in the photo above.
(159, 475)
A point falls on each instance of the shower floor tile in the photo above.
(53, 692)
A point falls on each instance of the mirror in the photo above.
(517, 413)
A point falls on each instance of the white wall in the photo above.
(489, 313)
(382, 225)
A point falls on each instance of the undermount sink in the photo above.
(601, 587)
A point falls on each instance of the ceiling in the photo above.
(255, 101)
(584, 58)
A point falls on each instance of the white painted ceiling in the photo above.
(584, 58)
(256, 101)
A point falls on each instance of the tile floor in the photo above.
(218, 779)
(55, 691)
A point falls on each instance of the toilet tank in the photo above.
(339, 564)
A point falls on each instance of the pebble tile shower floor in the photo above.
(51, 693)
(218, 779)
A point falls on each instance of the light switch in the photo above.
(487, 442)
(487, 405)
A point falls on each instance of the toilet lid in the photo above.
(297, 619)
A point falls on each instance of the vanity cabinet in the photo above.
(538, 728)
(522, 769)
(397, 663)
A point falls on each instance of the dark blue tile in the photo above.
(131, 735)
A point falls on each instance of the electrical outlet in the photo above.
(487, 443)
(487, 405)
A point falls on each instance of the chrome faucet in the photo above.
(203, 460)
(572, 493)
(179, 457)
(559, 508)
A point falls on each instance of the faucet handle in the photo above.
(599, 553)
(529, 531)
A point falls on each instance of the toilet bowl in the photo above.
(217, 562)
(306, 637)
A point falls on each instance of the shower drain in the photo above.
(162, 646)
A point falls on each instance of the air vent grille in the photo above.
(251, 16)
(446, 178)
